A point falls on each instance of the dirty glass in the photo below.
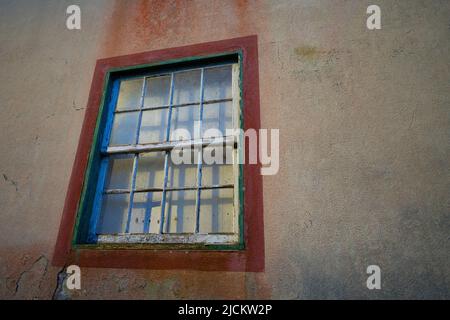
(146, 212)
(129, 94)
(217, 118)
(120, 170)
(186, 87)
(153, 126)
(183, 174)
(217, 83)
(124, 128)
(180, 214)
(185, 118)
(157, 90)
(216, 211)
(139, 190)
(150, 170)
(114, 214)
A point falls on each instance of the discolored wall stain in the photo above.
(138, 25)
(135, 26)
(307, 52)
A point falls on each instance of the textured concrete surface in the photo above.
(364, 129)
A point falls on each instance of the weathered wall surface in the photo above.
(364, 129)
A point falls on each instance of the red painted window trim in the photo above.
(249, 259)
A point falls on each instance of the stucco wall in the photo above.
(364, 131)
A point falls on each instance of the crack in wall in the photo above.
(59, 293)
(12, 182)
(28, 270)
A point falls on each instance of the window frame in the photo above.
(249, 256)
(90, 208)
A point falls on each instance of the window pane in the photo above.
(150, 170)
(146, 207)
(119, 172)
(129, 94)
(217, 116)
(216, 174)
(184, 118)
(182, 174)
(216, 211)
(187, 87)
(217, 83)
(113, 217)
(180, 212)
(153, 126)
(157, 91)
(124, 128)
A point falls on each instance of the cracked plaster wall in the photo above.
(364, 120)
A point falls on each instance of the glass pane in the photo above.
(150, 171)
(153, 126)
(146, 212)
(218, 154)
(217, 116)
(180, 212)
(216, 211)
(119, 172)
(187, 87)
(129, 94)
(183, 174)
(217, 83)
(114, 214)
(186, 118)
(124, 128)
(216, 174)
(157, 91)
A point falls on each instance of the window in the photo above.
(142, 195)
(110, 166)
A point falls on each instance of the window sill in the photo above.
(161, 246)
(174, 239)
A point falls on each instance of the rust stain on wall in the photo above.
(242, 13)
(138, 25)
(135, 26)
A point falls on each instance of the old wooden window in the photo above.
(141, 195)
